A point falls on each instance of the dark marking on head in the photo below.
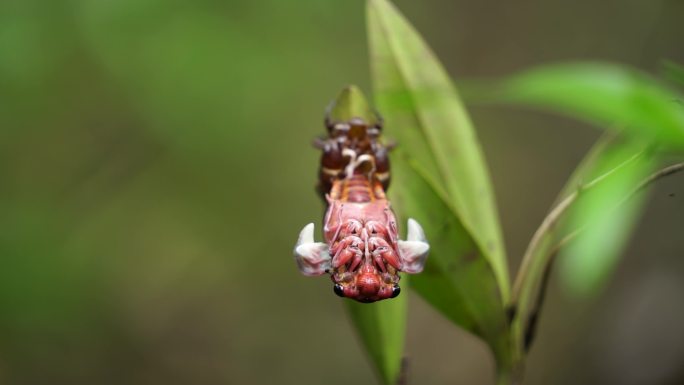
(339, 290)
(395, 291)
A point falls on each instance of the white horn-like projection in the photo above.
(414, 250)
(312, 257)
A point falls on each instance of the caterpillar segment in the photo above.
(361, 251)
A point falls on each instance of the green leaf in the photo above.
(350, 104)
(440, 178)
(426, 115)
(606, 220)
(458, 281)
(604, 179)
(381, 327)
(603, 94)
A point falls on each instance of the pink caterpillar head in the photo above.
(365, 264)
(368, 285)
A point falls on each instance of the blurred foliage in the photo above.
(610, 96)
(154, 172)
(641, 109)
(147, 180)
(616, 98)
(605, 215)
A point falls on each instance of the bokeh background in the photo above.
(156, 168)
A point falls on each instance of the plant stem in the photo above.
(549, 223)
(510, 375)
(669, 170)
(536, 309)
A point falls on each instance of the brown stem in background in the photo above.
(403, 372)
(533, 318)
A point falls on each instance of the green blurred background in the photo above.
(156, 168)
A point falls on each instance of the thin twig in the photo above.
(403, 372)
(533, 318)
(667, 171)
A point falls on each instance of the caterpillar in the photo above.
(361, 252)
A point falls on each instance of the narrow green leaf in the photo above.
(588, 168)
(381, 327)
(425, 114)
(587, 261)
(612, 168)
(602, 94)
(458, 281)
(350, 104)
(440, 179)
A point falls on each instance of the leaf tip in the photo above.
(350, 104)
